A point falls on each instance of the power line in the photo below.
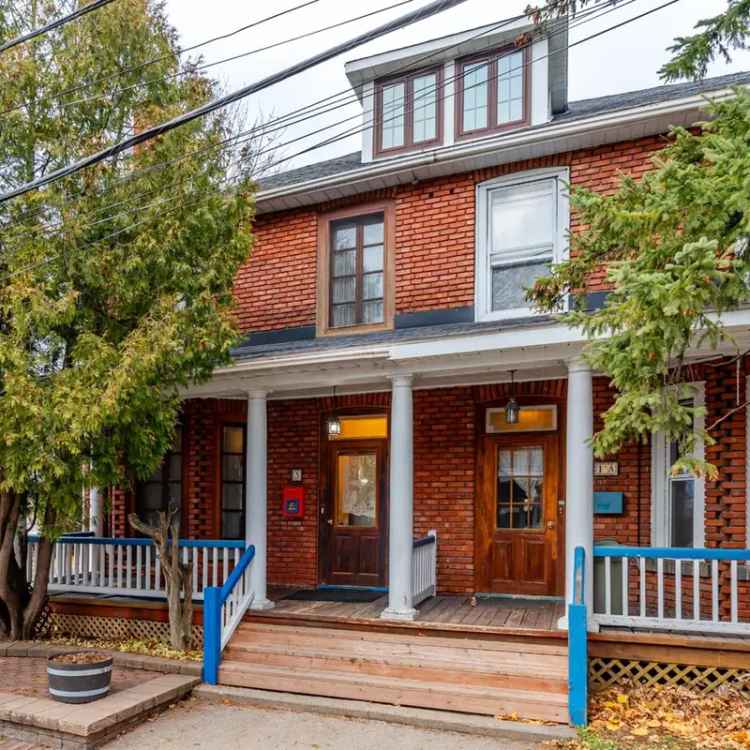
(591, 14)
(427, 92)
(433, 8)
(206, 66)
(54, 24)
(332, 140)
(169, 56)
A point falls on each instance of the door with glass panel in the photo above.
(520, 497)
(354, 515)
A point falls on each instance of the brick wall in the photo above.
(434, 255)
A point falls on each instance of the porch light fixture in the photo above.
(512, 409)
(334, 423)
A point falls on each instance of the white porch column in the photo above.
(401, 509)
(96, 512)
(579, 510)
(256, 511)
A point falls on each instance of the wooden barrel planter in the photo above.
(80, 677)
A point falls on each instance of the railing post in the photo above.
(211, 634)
(578, 660)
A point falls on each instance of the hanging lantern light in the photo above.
(334, 423)
(512, 409)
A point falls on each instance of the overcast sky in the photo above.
(621, 60)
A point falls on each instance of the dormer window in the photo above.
(492, 92)
(408, 112)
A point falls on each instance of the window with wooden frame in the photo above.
(409, 112)
(163, 489)
(355, 283)
(233, 440)
(493, 92)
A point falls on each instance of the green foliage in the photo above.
(115, 284)
(675, 245)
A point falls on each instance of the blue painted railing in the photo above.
(131, 566)
(666, 588)
(223, 609)
(578, 660)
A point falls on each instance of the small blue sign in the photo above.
(608, 503)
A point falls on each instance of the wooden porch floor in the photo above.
(461, 613)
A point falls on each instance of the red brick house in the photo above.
(387, 332)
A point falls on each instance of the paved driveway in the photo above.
(196, 724)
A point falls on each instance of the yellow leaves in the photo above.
(678, 718)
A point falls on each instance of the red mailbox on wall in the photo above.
(293, 501)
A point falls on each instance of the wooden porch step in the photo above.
(278, 633)
(528, 704)
(472, 674)
(426, 659)
(448, 672)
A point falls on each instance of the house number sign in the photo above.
(606, 468)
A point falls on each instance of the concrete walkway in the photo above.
(197, 724)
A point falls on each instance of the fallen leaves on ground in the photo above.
(150, 647)
(673, 718)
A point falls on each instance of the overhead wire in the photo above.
(427, 92)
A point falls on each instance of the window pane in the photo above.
(510, 88)
(232, 469)
(345, 237)
(393, 115)
(234, 441)
(373, 258)
(509, 284)
(372, 286)
(345, 289)
(425, 108)
(152, 496)
(475, 111)
(524, 217)
(231, 526)
(683, 506)
(373, 232)
(343, 315)
(356, 490)
(231, 498)
(372, 312)
(175, 495)
(175, 467)
(345, 263)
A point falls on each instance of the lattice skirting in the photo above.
(604, 672)
(115, 628)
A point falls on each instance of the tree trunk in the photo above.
(178, 577)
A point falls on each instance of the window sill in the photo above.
(326, 331)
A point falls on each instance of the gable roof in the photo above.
(576, 110)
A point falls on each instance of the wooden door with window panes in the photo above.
(519, 514)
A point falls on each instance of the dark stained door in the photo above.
(354, 516)
(521, 475)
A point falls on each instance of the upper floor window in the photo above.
(492, 92)
(678, 499)
(522, 221)
(408, 112)
(355, 273)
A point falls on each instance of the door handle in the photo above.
(550, 525)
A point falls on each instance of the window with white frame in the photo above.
(522, 224)
(678, 500)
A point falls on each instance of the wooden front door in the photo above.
(354, 517)
(518, 519)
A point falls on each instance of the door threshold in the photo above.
(524, 597)
(334, 587)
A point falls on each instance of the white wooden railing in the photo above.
(132, 567)
(677, 589)
(424, 568)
